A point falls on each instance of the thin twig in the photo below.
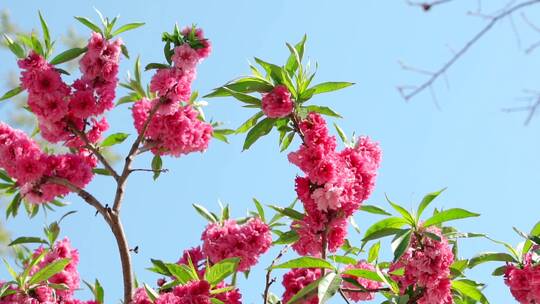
(466, 47)
(151, 170)
(426, 6)
(269, 280)
(343, 296)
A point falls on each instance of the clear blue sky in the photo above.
(486, 158)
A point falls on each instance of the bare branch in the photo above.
(269, 280)
(426, 6)
(151, 170)
(493, 20)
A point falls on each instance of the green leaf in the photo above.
(221, 270)
(114, 139)
(274, 71)
(27, 240)
(48, 271)
(243, 85)
(5, 177)
(205, 213)
(330, 86)
(328, 287)
(383, 228)
(127, 27)
(490, 257)
(449, 215)
(216, 301)
(101, 171)
(260, 209)
(288, 237)
(363, 273)
(157, 165)
(243, 97)
(374, 209)
(305, 293)
(323, 110)
(181, 272)
(124, 50)
(99, 293)
(287, 141)
(426, 201)
(89, 24)
(341, 134)
(401, 243)
(342, 259)
(305, 262)
(406, 214)
(68, 55)
(156, 66)
(535, 231)
(373, 254)
(249, 123)
(468, 289)
(11, 93)
(295, 58)
(499, 271)
(15, 48)
(45, 28)
(152, 294)
(262, 128)
(289, 212)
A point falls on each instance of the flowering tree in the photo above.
(424, 266)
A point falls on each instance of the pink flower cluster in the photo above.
(277, 103)
(335, 186)
(177, 133)
(69, 277)
(23, 160)
(524, 280)
(229, 239)
(62, 109)
(367, 284)
(298, 278)
(426, 265)
(175, 128)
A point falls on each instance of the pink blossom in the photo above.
(327, 197)
(298, 278)
(277, 103)
(194, 292)
(524, 280)
(229, 239)
(310, 230)
(365, 283)
(426, 264)
(141, 297)
(232, 296)
(179, 133)
(185, 57)
(205, 47)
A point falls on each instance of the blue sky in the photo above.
(486, 158)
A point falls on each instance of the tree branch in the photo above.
(269, 280)
(437, 74)
(95, 150)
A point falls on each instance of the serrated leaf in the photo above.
(449, 215)
(383, 228)
(406, 214)
(89, 24)
(469, 290)
(114, 139)
(330, 86)
(14, 47)
(328, 287)
(261, 129)
(400, 244)
(288, 237)
(243, 97)
(68, 55)
(490, 257)
(373, 254)
(127, 27)
(342, 259)
(249, 123)
(363, 273)
(260, 209)
(48, 271)
(11, 93)
(305, 262)
(27, 240)
(205, 213)
(426, 201)
(181, 272)
(243, 85)
(289, 212)
(221, 270)
(323, 110)
(374, 209)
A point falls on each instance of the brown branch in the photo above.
(436, 75)
(151, 170)
(87, 197)
(94, 150)
(366, 289)
(344, 296)
(129, 159)
(269, 280)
